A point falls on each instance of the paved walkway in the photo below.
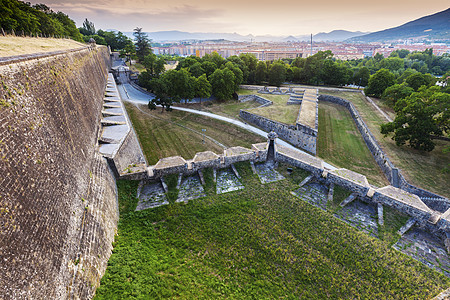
(131, 94)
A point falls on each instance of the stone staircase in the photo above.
(115, 125)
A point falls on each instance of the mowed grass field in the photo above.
(180, 133)
(340, 143)
(421, 168)
(257, 243)
(279, 111)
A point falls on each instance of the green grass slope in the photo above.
(257, 243)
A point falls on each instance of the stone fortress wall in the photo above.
(393, 174)
(421, 214)
(58, 198)
(304, 133)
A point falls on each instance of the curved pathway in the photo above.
(133, 95)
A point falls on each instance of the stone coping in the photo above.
(260, 146)
(114, 134)
(301, 156)
(205, 156)
(446, 215)
(233, 151)
(307, 115)
(404, 197)
(351, 176)
(167, 162)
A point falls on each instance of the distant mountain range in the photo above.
(175, 35)
(436, 26)
(432, 27)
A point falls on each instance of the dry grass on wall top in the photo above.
(420, 168)
(11, 46)
(180, 133)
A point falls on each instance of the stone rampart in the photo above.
(350, 180)
(208, 159)
(298, 135)
(403, 201)
(58, 200)
(390, 171)
(129, 154)
(256, 98)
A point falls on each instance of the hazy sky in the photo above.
(276, 17)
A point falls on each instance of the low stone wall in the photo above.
(129, 153)
(256, 98)
(177, 164)
(390, 171)
(350, 180)
(282, 157)
(298, 135)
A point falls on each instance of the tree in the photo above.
(334, 73)
(420, 116)
(261, 72)
(209, 67)
(153, 65)
(142, 44)
(277, 73)
(196, 69)
(160, 88)
(181, 84)
(238, 74)
(250, 62)
(405, 75)
(392, 63)
(88, 28)
(203, 87)
(397, 92)
(215, 58)
(361, 76)
(222, 83)
(378, 82)
(418, 79)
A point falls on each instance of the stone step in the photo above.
(410, 223)
(164, 185)
(306, 180)
(235, 171)
(330, 193)
(202, 179)
(112, 105)
(349, 199)
(434, 218)
(180, 177)
(380, 214)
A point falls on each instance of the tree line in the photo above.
(38, 20)
(115, 39)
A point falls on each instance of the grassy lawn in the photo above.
(279, 111)
(228, 108)
(421, 168)
(257, 243)
(180, 133)
(341, 144)
(136, 67)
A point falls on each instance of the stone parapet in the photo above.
(350, 180)
(403, 201)
(298, 135)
